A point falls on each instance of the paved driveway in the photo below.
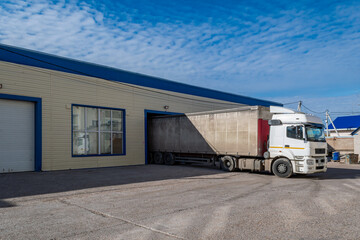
(179, 202)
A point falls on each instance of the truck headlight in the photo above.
(310, 162)
(299, 163)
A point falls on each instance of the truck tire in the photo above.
(282, 168)
(169, 159)
(227, 163)
(150, 158)
(158, 158)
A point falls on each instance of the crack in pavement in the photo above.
(105, 215)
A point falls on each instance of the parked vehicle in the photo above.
(256, 138)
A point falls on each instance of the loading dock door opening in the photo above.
(149, 114)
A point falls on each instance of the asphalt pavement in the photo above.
(179, 202)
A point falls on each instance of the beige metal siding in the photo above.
(59, 90)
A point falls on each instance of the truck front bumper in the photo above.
(309, 165)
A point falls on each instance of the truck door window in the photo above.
(295, 132)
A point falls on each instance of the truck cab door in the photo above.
(276, 140)
(294, 140)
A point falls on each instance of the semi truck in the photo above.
(256, 138)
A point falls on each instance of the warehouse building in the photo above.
(58, 113)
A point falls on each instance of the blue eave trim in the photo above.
(99, 155)
(43, 60)
(38, 125)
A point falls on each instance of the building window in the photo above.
(97, 131)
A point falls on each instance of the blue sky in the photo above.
(278, 50)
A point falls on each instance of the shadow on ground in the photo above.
(6, 204)
(36, 183)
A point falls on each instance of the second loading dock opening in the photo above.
(150, 114)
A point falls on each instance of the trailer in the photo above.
(236, 138)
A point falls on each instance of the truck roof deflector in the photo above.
(281, 110)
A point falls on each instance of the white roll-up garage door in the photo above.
(17, 136)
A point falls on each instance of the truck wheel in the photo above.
(227, 163)
(169, 159)
(282, 168)
(158, 158)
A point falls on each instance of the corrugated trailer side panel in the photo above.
(229, 132)
(236, 132)
(177, 134)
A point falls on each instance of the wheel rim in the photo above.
(227, 163)
(282, 168)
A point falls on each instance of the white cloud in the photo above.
(292, 52)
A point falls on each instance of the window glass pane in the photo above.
(78, 116)
(78, 143)
(117, 120)
(295, 132)
(92, 143)
(90, 124)
(117, 143)
(105, 118)
(315, 134)
(92, 119)
(291, 132)
(105, 142)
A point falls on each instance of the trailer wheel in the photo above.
(150, 158)
(158, 158)
(169, 159)
(282, 168)
(227, 163)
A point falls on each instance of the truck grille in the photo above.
(320, 160)
(319, 150)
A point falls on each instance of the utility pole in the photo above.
(327, 122)
(328, 116)
(299, 106)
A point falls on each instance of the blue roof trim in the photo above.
(346, 122)
(53, 62)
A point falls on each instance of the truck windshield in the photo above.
(315, 133)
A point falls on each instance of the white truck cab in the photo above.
(297, 138)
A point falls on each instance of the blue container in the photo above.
(336, 156)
